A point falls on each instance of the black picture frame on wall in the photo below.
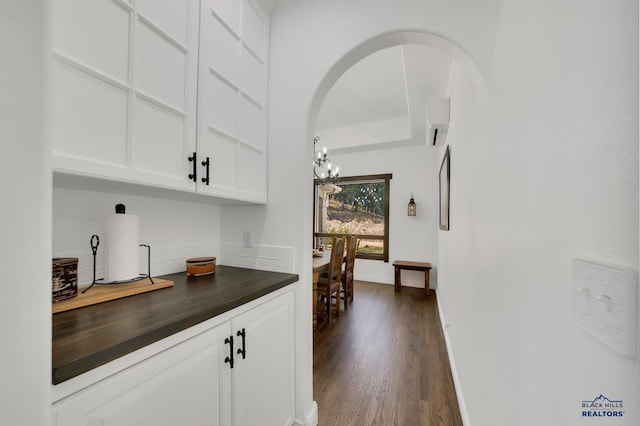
(445, 189)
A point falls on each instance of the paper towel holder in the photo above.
(95, 242)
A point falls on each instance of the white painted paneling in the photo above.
(268, 365)
(170, 16)
(252, 76)
(160, 67)
(231, 102)
(95, 33)
(221, 104)
(223, 160)
(251, 123)
(220, 47)
(253, 28)
(142, 56)
(158, 135)
(193, 372)
(228, 11)
(89, 116)
(251, 170)
(153, 402)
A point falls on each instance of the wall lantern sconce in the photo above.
(411, 207)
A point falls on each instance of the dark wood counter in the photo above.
(88, 337)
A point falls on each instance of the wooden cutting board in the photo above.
(104, 292)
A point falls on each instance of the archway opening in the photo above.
(385, 41)
(414, 167)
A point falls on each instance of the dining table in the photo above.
(320, 265)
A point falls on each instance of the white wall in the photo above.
(175, 229)
(544, 173)
(307, 57)
(311, 46)
(415, 171)
(25, 229)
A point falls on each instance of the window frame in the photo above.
(386, 178)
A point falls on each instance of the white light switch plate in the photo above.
(605, 302)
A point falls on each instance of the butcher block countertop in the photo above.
(88, 337)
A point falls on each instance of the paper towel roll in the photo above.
(121, 250)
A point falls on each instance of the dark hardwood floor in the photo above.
(384, 362)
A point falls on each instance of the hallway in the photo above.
(384, 362)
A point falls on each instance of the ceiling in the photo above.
(381, 101)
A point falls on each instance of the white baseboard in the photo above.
(454, 372)
(311, 419)
(386, 280)
(373, 278)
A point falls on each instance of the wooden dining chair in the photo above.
(347, 275)
(332, 283)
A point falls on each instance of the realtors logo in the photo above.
(601, 406)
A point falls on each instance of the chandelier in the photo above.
(323, 171)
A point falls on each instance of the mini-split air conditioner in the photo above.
(437, 121)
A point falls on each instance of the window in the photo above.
(357, 205)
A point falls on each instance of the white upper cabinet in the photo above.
(232, 99)
(140, 86)
(124, 89)
(94, 34)
(91, 87)
(254, 26)
(164, 107)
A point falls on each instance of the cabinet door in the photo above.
(165, 80)
(263, 382)
(232, 99)
(124, 89)
(251, 109)
(188, 384)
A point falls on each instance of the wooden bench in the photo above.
(412, 266)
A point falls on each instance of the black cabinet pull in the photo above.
(229, 359)
(242, 351)
(193, 176)
(206, 164)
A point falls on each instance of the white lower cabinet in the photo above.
(193, 383)
(263, 382)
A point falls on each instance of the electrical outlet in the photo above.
(605, 302)
(247, 238)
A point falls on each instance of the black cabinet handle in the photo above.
(206, 164)
(242, 351)
(229, 359)
(193, 176)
